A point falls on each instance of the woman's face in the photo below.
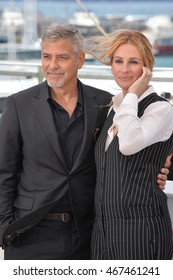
(126, 66)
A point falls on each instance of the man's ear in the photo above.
(81, 60)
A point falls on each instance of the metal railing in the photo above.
(96, 75)
(34, 69)
(21, 69)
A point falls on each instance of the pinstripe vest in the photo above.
(126, 185)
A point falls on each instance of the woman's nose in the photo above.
(125, 67)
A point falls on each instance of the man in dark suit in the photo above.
(47, 169)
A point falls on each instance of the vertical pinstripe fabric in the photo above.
(132, 218)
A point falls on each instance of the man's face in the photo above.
(60, 63)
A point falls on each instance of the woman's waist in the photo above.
(128, 212)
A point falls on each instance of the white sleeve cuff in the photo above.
(130, 98)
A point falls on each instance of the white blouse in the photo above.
(134, 133)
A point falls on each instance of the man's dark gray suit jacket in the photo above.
(33, 173)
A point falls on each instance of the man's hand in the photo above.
(163, 176)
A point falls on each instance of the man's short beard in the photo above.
(56, 84)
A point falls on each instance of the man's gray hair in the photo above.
(58, 31)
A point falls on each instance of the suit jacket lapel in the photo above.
(44, 113)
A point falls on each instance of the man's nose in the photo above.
(54, 63)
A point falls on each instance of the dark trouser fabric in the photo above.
(49, 240)
(146, 238)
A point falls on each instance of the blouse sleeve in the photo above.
(136, 133)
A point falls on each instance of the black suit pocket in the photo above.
(23, 202)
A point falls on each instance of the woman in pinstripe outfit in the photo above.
(132, 218)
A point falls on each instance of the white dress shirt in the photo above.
(134, 133)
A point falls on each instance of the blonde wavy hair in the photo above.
(103, 47)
